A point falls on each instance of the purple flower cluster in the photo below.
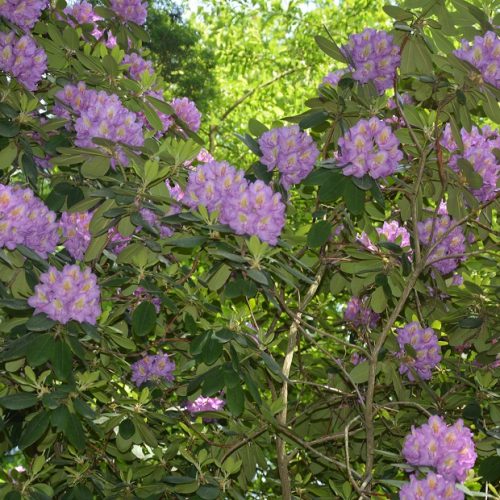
(22, 58)
(70, 294)
(202, 403)
(447, 448)
(23, 13)
(433, 487)
(152, 219)
(166, 120)
(291, 150)
(247, 207)
(394, 233)
(479, 146)
(116, 241)
(153, 368)
(431, 230)
(25, 220)
(483, 54)
(359, 314)
(187, 111)
(75, 228)
(375, 57)
(370, 148)
(138, 66)
(83, 13)
(130, 10)
(427, 350)
(334, 77)
(99, 115)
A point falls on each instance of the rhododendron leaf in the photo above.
(333, 187)
(354, 198)
(208, 492)
(397, 12)
(489, 469)
(62, 360)
(127, 428)
(144, 319)
(211, 352)
(319, 233)
(8, 155)
(330, 48)
(313, 119)
(19, 401)
(378, 300)
(40, 323)
(256, 128)
(96, 167)
(235, 398)
(34, 430)
(220, 277)
(471, 323)
(250, 142)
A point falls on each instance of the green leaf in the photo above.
(333, 187)
(62, 360)
(397, 12)
(144, 319)
(208, 492)
(256, 128)
(470, 323)
(212, 351)
(319, 233)
(40, 323)
(126, 428)
(359, 374)
(8, 128)
(95, 167)
(491, 107)
(235, 398)
(354, 199)
(472, 411)
(378, 300)
(74, 431)
(330, 48)
(19, 401)
(219, 277)
(34, 430)
(8, 155)
(313, 119)
(187, 242)
(489, 469)
(41, 349)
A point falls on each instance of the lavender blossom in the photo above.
(23, 13)
(370, 148)
(359, 314)
(130, 10)
(75, 228)
(70, 294)
(291, 150)
(432, 487)
(427, 350)
(153, 368)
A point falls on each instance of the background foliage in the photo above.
(260, 326)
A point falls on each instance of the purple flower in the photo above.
(433, 487)
(75, 228)
(22, 58)
(427, 350)
(116, 241)
(394, 233)
(248, 208)
(359, 314)
(404, 98)
(431, 230)
(334, 77)
(82, 13)
(153, 368)
(375, 58)
(25, 220)
(23, 13)
(291, 150)
(138, 65)
(99, 114)
(70, 294)
(370, 148)
(130, 10)
(187, 111)
(483, 54)
(202, 403)
(152, 219)
(479, 150)
(449, 449)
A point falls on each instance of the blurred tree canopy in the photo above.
(179, 57)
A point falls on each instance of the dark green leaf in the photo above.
(330, 48)
(319, 233)
(489, 469)
(208, 492)
(127, 428)
(34, 430)
(62, 360)
(144, 318)
(354, 199)
(41, 349)
(472, 322)
(235, 398)
(40, 323)
(19, 401)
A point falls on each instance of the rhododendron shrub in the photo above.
(315, 320)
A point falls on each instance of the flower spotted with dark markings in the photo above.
(427, 350)
(153, 368)
(483, 54)
(370, 147)
(25, 220)
(22, 58)
(291, 151)
(70, 294)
